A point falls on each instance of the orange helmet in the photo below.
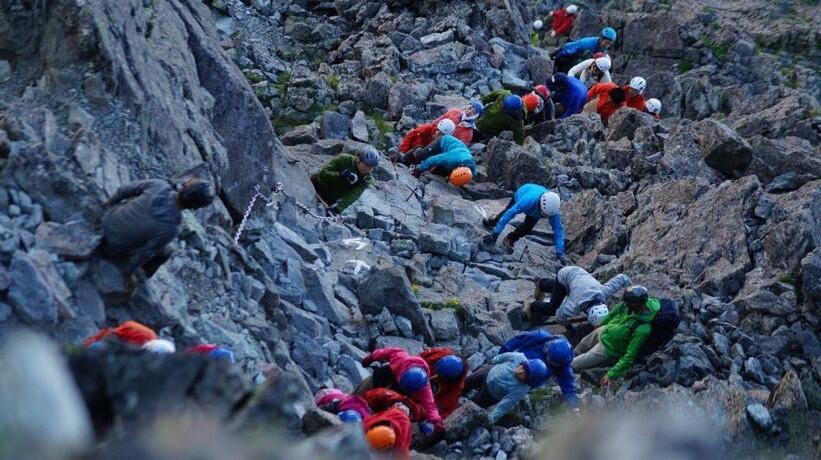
(381, 437)
(460, 176)
(533, 103)
(542, 90)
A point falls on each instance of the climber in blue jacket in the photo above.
(568, 93)
(572, 52)
(447, 156)
(555, 351)
(535, 202)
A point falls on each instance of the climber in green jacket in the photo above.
(503, 112)
(342, 180)
(619, 338)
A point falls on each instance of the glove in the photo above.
(348, 176)
(416, 172)
(426, 428)
(490, 240)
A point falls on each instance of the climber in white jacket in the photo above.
(574, 291)
(592, 71)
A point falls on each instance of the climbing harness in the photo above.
(269, 201)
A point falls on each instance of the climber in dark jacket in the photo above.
(575, 51)
(144, 216)
(343, 179)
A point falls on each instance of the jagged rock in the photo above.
(787, 395)
(437, 39)
(333, 125)
(540, 68)
(387, 341)
(792, 229)
(511, 165)
(444, 325)
(811, 276)
(305, 134)
(753, 370)
(654, 35)
(389, 287)
(774, 158)
(722, 148)
(443, 59)
(760, 416)
(30, 294)
(317, 419)
(345, 442)
(43, 413)
(464, 420)
(626, 121)
(359, 127)
(284, 399)
(74, 240)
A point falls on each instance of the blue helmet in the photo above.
(478, 107)
(413, 380)
(559, 352)
(450, 367)
(536, 370)
(512, 104)
(221, 353)
(609, 33)
(350, 416)
(370, 157)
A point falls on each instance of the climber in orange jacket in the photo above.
(389, 432)
(463, 121)
(448, 377)
(604, 99)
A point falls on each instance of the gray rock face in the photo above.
(464, 420)
(722, 148)
(389, 287)
(333, 126)
(30, 294)
(760, 416)
(74, 240)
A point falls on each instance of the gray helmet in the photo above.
(370, 157)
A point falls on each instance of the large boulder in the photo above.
(464, 420)
(777, 157)
(654, 35)
(30, 294)
(389, 287)
(626, 121)
(722, 148)
(811, 277)
(43, 414)
(510, 165)
(694, 234)
(787, 395)
(792, 228)
(74, 240)
(604, 234)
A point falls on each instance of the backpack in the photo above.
(663, 326)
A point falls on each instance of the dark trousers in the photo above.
(523, 229)
(563, 64)
(541, 310)
(478, 380)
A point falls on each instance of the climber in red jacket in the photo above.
(448, 379)
(634, 94)
(463, 121)
(604, 99)
(389, 432)
(130, 332)
(382, 399)
(563, 19)
(410, 373)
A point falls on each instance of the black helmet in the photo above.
(635, 295)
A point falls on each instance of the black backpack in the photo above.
(663, 326)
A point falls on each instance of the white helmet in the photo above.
(653, 105)
(159, 346)
(446, 126)
(549, 203)
(603, 63)
(638, 84)
(537, 24)
(571, 9)
(596, 314)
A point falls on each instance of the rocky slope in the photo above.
(716, 206)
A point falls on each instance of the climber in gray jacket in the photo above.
(141, 218)
(574, 291)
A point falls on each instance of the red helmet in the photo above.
(542, 90)
(533, 103)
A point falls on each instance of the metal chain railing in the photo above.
(269, 201)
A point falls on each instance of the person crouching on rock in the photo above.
(349, 408)
(653, 107)
(130, 333)
(557, 354)
(342, 180)
(535, 202)
(621, 335)
(572, 52)
(573, 291)
(505, 382)
(592, 71)
(420, 153)
(382, 399)
(568, 93)
(604, 99)
(409, 375)
(464, 123)
(504, 111)
(634, 94)
(448, 378)
(389, 432)
(447, 157)
(547, 111)
(143, 217)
